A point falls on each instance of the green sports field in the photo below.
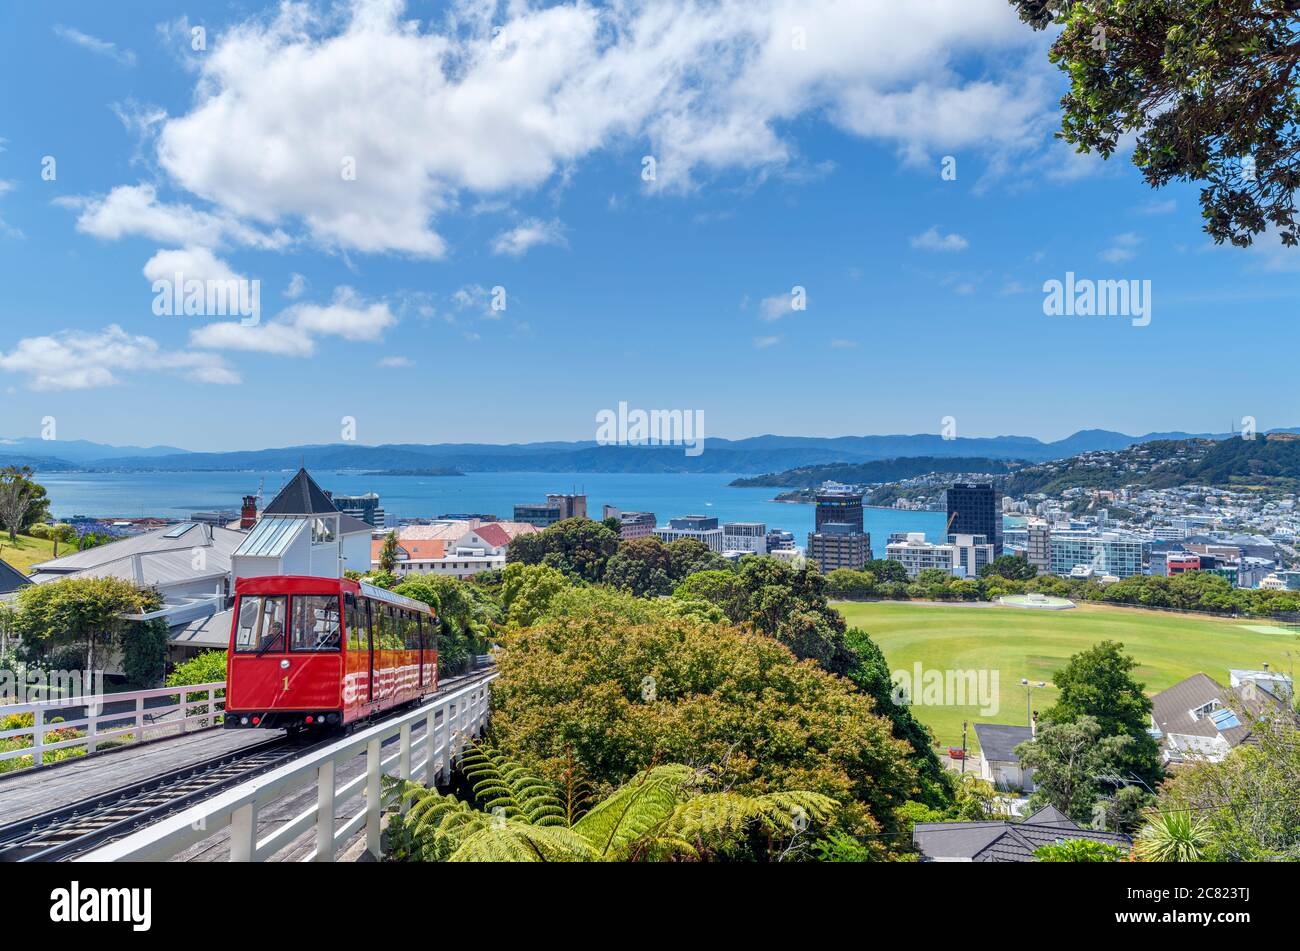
(1028, 643)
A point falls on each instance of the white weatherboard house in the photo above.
(302, 533)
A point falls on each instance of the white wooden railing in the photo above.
(449, 722)
(135, 724)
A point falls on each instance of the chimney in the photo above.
(248, 514)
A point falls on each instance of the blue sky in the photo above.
(519, 164)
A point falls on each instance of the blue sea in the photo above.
(178, 494)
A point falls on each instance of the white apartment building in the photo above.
(1105, 553)
(916, 554)
(748, 537)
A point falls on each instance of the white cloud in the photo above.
(933, 240)
(427, 113)
(775, 307)
(763, 343)
(527, 235)
(1122, 248)
(297, 286)
(841, 344)
(95, 45)
(1157, 207)
(395, 362)
(136, 210)
(193, 264)
(77, 360)
(293, 332)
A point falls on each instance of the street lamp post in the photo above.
(1029, 700)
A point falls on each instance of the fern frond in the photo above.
(636, 809)
(511, 840)
(505, 787)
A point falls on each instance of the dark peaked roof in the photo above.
(998, 741)
(11, 579)
(302, 496)
(1001, 841)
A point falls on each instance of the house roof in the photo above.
(1002, 841)
(493, 534)
(1171, 710)
(11, 579)
(301, 496)
(163, 560)
(998, 741)
(212, 630)
(272, 536)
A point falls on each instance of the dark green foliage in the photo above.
(144, 653)
(1014, 567)
(1208, 87)
(576, 546)
(1098, 684)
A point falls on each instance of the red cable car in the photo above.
(323, 652)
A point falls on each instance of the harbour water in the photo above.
(178, 494)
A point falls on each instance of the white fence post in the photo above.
(38, 736)
(404, 759)
(325, 812)
(374, 769)
(139, 720)
(430, 750)
(243, 834)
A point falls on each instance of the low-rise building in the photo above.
(703, 528)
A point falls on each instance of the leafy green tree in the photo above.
(688, 556)
(847, 583)
(1071, 761)
(144, 653)
(642, 566)
(388, 553)
(1012, 567)
(618, 684)
(1206, 87)
(1079, 850)
(527, 592)
(887, 571)
(82, 612)
(575, 546)
(23, 502)
(1098, 683)
(664, 812)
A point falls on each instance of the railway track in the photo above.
(71, 830)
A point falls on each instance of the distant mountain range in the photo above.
(757, 454)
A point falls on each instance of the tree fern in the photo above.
(503, 785)
(660, 814)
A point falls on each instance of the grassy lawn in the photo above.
(1026, 643)
(29, 551)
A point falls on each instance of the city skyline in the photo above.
(855, 236)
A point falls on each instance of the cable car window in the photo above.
(412, 631)
(261, 622)
(315, 622)
(358, 636)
